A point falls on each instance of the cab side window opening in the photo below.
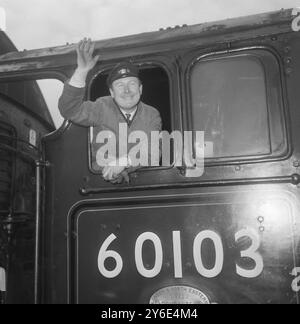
(28, 94)
(39, 96)
(156, 91)
(51, 90)
(235, 102)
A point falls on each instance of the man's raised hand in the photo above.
(85, 60)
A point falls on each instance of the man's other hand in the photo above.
(124, 176)
(112, 172)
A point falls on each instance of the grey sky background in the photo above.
(43, 23)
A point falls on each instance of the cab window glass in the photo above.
(230, 103)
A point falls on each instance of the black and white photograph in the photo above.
(149, 155)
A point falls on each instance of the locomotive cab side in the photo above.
(229, 234)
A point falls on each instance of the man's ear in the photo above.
(111, 92)
(141, 88)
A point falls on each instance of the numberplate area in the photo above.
(228, 248)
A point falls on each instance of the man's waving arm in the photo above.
(71, 103)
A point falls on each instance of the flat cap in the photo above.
(122, 70)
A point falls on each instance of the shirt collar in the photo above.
(124, 112)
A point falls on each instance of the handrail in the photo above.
(293, 179)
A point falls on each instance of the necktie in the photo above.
(128, 116)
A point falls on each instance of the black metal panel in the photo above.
(83, 212)
(237, 257)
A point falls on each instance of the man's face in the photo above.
(126, 92)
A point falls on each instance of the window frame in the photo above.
(35, 77)
(281, 110)
(155, 63)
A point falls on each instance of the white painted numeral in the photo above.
(177, 254)
(148, 273)
(296, 20)
(105, 254)
(250, 253)
(296, 281)
(216, 239)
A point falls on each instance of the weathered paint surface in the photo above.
(168, 39)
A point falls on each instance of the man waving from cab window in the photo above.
(124, 105)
